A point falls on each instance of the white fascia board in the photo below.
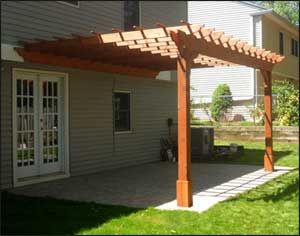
(9, 53)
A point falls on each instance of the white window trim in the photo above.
(69, 4)
(131, 112)
(39, 179)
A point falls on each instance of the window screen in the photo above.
(122, 108)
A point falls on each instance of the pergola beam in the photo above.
(218, 51)
(78, 63)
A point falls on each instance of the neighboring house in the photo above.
(258, 26)
(57, 121)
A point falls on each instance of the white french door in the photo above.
(50, 125)
(39, 141)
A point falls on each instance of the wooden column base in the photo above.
(268, 163)
(184, 193)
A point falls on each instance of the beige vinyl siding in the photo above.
(92, 146)
(289, 68)
(6, 128)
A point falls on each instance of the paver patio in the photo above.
(153, 184)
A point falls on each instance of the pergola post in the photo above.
(183, 184)
(268, 157)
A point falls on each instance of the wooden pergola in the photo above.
(146, 52)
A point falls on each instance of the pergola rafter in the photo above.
(146, 52)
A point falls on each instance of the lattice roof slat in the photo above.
(155, 49)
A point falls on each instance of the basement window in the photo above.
(122, 111)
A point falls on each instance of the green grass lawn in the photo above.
(286, 154)
(268, 209)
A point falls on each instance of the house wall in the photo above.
(289, 67)
(233, 18)
(27, 20)
(166, 12)
(93, 146)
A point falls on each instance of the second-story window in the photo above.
(131, 14)
(294, 47)
(281, 43)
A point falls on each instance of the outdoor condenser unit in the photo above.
(202, 142)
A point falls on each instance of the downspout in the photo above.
(252, 41)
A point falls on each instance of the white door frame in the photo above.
(66, 167)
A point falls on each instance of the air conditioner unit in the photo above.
(202, 143)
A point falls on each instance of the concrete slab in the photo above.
(154, 185)
(205, 199)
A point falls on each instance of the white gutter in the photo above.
(261, 12)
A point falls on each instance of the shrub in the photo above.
(221, 101)
(286, 108)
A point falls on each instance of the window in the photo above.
(281, 43)
(71, 3)
(131, 14)
(294, 47)
(122, 116)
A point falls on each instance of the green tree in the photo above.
(286, 108)
(286, 9)
(221, 101)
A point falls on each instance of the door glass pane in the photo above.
(30, 85)
(19, 140)
(55, 154)
(50, 122)
(25, 122)
(31, 105)
(19, 157)
(24, 105)
(50, 89)
(19, 105)
(45, 155)
(55, 109)
(55, 125)
(19, 87)
(25, 157)
(50, 142)
(44, 88)
(31, 157)
(19, 122)
(31, 140)
(25, 87)
(55, 89)
(50, 110)
(55, 134)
